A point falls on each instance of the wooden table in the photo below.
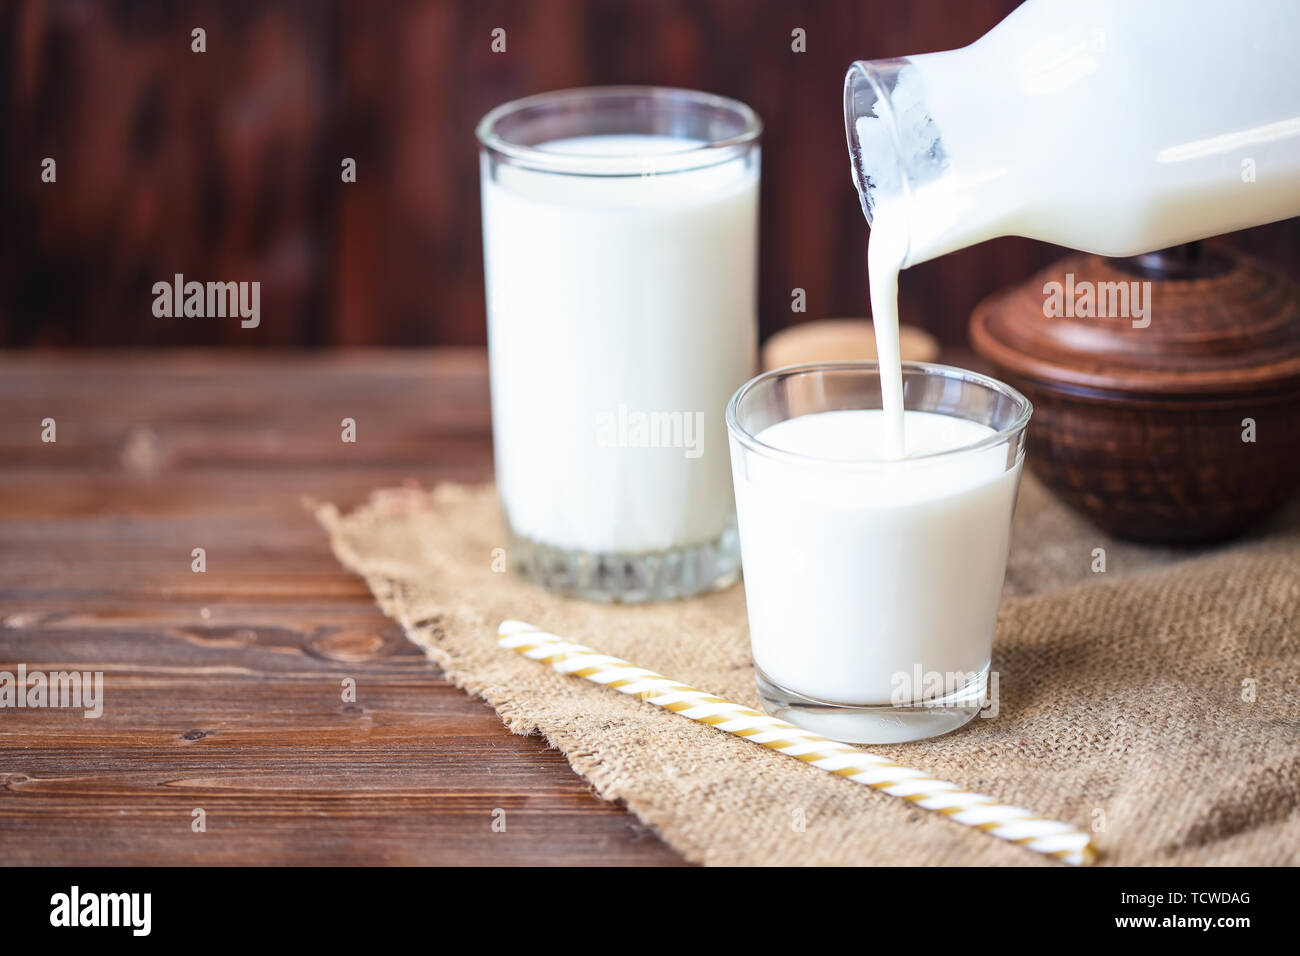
(222, 689)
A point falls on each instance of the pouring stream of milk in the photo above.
(886, 251)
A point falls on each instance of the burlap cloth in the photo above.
(1125, 701)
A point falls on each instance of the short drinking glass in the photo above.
(873, 585)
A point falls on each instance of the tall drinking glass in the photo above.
(620, 233)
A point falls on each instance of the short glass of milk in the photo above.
(620, 246)
(873, 584)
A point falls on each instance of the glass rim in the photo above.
(752, 442)
(696, 156)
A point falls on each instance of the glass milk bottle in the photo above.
(1111, 126)
(620, 250)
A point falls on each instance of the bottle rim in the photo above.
(866, 94)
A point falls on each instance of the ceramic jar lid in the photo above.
(1181, 322)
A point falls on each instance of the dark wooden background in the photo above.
(225, 165)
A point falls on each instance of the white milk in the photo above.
(1109, 126)
(865, 570)
(608, 299)
(885, 251)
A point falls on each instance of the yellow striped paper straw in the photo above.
(1014, 824)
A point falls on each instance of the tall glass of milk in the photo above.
(620, 229)
(873, 582)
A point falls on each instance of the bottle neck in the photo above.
(876, 153)
(943, 194)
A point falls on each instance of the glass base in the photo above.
(882, 724)
(630, 578)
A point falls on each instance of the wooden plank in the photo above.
(223, 690)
